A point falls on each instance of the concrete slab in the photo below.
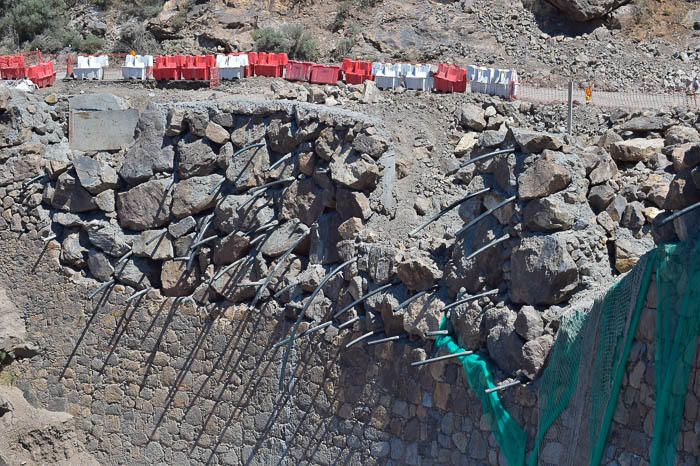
(91, 131)
(96, 102)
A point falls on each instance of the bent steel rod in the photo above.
(468, 299)
(276, 268)
(485, 157)
(387, 339)
(293, 335)
(263, 228)
(305, 333)
(350, 322)
(103, 286)
(435, 333)
(50, 237)
(363, 298)
(680, 213)
(442, 358)
(278, 163)
(34, 180)
(503, 386)
(363, 337)
(138, 294)
(447, 209)
(248, 147)
(203, 242)
(413, 298)
(492, 243)
(266, 186)
(484, 215)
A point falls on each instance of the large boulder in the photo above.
(145, 206)
(284, 237)
(586, 10)
(533, 142)
(238, 213)
(357, 171)
(543, 178)
(70, 196)
(95, 176)
(472, 117)
(543, 272)
(303, 200)
(636, 150)
(194, 195)
(418, 271)
(549, 214)
(196, 159)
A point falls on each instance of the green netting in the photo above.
(677, 330)
(510, 436)
(587, 364)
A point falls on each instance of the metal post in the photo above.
(570, 116)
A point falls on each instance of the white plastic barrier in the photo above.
(492, 81)
(232, 66)
(388, 75)
(136, 67)
(418, 77)
(90, 67)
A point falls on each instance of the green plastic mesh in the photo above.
(582, 381)
(677, 330)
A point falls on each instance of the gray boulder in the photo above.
(108, 238)
(535, 354)
(145, 206)
(95, 176)
(543, 178)
(153, 244)
(505, 347)
(230, 248)
(99, 265)
(247, 170)
(303, 200)
(196, 159)
(529, 323)
(586, 10)
(533, 142)
(418, 271)
(176, 280)
(324, 239)
(645, 124)
(548, 214)
(472, 117)
(136, 272)
(284, 237)
(352, 204)
(353, 170)
(281, 137)
(195, 195)
(238, 213)
(69, 195)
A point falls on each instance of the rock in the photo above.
(216, 133)
(136, 272)
(350, 228)
(196, 159)
(69, 195)
(692, 19)
(505, 347)
(586, 10)
(636, 150)
(182, 227)
(281, 137)
(378, 261)
(532, 142)
(328, 142)
(466, 143)
(628, 251)
(72, 252)
(352, 204)
(602, 169)
(176, 280)
(685, 156)
(535, 354)
(370, 93)
(108, 238)
(608, 139)
(12, 328)
(472, 117)
(247, 170)
(418, 271)
(633, 216)
(176, 122)
(681, 135)
(600, 197)
(543, 178)
(371, 144)
(492, 138)
(422, 315)
(466, 320)
(197, 121)
(106, 201)
(284, 237)
(682, 193)
(543, 260)
(153, 244)
(529, 323)
(617, 208)
(232, 284)
(303, 200)
(195, 195)
(353, 170)
(99, 265)
(324, 237)
(548, 214)
(95, 176)
(148, 156)
(656, 187)
(646, 124)
(145, 206)
(238, 213)
(422, 206)
(230, 248)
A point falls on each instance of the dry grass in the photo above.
(661, 19)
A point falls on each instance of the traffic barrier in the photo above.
(450, 78)
(43, 74)
(298, 70)
(137, 66)
(418, 77)
(90, 67)
(357, 71)
(268, 64)
(492, 81)
(232, 66)
(12, 67)
(196, 68)
(325, 74)
(168, 67)
(389, 75)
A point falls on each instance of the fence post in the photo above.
(570, 116)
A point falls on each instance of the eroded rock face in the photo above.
(587, 10)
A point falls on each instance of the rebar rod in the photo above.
(363, 337)
(125, 257)
(386, 340)
(301, 316)
(229, 267)
(484, 157)
(442, 358)
(248, 147)
(362, 298)
(484, 215)
(34, 179)
(468, 299)
(435, 333)
(278, 163)
(315, 329)
(680, 213)
(138, 294)
(203, 242)
(263, 228)
(101, 287)
(416, 296)
(50, 237)
(264, 187)
(350, 322)
(447, 209)
(503, 386)
(492, 243)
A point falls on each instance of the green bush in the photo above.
(295, 41)
(135, 36)
(90, 44)
(340, 17)
(345, 45)
(31, 18)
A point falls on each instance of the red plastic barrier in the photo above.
(13, 67)
(298, 70)
(450, 78)
(322, 74)
(270, 64)
(356, 71)
(168, 67)
(197, 68)
(43, 74)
